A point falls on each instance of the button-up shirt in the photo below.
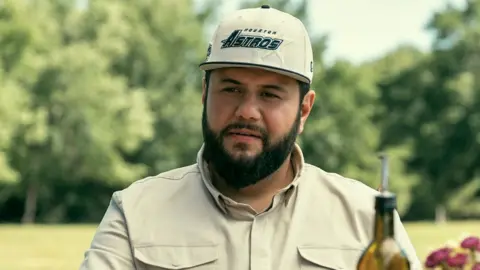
(179, 220)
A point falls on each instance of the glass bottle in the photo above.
(384, 252)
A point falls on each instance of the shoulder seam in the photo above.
(178, 178)
(349, 180)
(146, 179)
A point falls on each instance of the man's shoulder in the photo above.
(170, 175)
(148, 202)
(164, 181)
(354, 200)
(340, 183)
(352, 193)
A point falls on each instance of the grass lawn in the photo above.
(62, 247)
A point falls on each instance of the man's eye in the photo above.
(230, 89)
(269, 95)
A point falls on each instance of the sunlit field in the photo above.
(62, 247)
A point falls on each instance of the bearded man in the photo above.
(250, 202)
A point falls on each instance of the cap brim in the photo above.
(216, 65)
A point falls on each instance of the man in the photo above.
(250, 202)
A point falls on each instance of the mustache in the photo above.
(251, 127)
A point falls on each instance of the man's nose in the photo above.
(248, 108)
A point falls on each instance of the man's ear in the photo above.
(306, 108)
(204, 89)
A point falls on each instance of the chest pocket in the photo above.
(176, 257)
(329, 258)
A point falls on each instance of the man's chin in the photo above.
(242, 156)
(242, 162)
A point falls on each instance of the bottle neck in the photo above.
(384, 224)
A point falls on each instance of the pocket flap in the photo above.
(329, 257)
(176, 257)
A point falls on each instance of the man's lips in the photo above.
(245, 133)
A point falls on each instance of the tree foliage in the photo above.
(95, 97)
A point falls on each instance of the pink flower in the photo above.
(471, 243)
(476, 266)
(437, 257)
(458, 260)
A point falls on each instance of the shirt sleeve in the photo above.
(404, 241)
(110, 247)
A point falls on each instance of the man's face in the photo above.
(250, 122)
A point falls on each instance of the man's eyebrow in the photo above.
(266, 86)
(274, 87)
(228, 80)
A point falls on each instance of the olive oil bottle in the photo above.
(383, 252)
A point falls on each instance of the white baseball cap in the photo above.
(263, 38)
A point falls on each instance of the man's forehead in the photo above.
(251, 75)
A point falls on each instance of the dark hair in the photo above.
(303, 86)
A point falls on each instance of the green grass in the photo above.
(62, 247)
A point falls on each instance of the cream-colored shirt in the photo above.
(178, 220)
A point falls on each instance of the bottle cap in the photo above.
(385, 202)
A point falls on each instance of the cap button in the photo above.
(265, 6)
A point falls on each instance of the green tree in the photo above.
(85, 118)
(435, 106)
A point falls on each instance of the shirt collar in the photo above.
(298, 165)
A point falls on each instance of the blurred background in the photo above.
(97, 94)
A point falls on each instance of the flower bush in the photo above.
(464, 257)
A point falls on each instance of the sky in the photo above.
(360, 30)
(363, 29)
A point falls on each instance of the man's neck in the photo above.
(260, 195)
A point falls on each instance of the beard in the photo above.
(245, 171)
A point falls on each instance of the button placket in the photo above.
(259, 253)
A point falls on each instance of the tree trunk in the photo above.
(30, 209)
(440, 214)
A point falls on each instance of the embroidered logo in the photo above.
(237, 39)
